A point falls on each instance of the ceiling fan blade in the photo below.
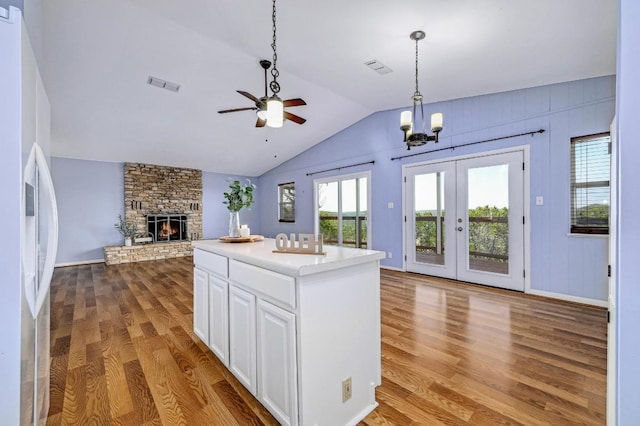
(294, 118)
(248, 95)
(293, 102)
(260, 122)
(224, 111)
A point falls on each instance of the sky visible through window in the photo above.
(328, 195)
(488, 186)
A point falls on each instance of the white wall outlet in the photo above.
(346, 389)
(389, 255)
(539, 200)
(389, 205)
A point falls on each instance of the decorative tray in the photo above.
(249, 239)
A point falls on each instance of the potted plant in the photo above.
(128, 229)
(239, 196)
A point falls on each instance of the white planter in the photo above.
(127, 242)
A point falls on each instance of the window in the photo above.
(590, 168)
(342, 214)
(287, 202)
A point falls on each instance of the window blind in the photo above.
(590, 170)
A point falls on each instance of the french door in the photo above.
(465, 220)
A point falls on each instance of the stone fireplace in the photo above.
(166, 204)
(167, 227)
(161, 190)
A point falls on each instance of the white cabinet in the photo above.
(297, 327)
(201, 304)
(242, 337)
(277, 372)
(219, 318)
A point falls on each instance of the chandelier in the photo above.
(407, 124)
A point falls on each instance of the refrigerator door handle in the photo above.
(45, 185)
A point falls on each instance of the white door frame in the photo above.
(612, 344)
(525, 149)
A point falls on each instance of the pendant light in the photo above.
(275, 108)
(407, 123)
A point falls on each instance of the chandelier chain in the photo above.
(417, 96)
(417, 93)
(275, 87)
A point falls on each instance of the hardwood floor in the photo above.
(123, 352)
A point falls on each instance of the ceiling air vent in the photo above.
(378, 67)
(163, 84)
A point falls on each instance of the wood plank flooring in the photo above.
(123, 352)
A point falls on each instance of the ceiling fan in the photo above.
(261, 103)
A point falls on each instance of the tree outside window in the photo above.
(287, 202)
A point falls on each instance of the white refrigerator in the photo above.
(29, 213)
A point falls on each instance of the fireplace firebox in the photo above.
(167, 227)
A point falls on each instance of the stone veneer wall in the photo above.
(151, 189)
(114, 255)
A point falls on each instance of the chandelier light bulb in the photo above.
(405, 120)
(436, 122)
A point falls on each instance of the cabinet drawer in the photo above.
(276, 286)
(211, 262)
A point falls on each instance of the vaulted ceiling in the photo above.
(98, 56)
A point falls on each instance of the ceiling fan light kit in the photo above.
(270, 109)
(275, 112)
(407, 118)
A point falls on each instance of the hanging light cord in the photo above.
(417, 96)
(275, 87)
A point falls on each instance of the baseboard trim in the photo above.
(391, 268)
(569, 298)
(82, 262)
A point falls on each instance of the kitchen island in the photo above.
(300, 332)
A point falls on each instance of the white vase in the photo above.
(127, 241)
(234, 224)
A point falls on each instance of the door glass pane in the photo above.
(361, 222)
(328, 211)
(349, 207)
(488, 215)
(429, 218)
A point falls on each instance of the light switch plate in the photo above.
(539, 200)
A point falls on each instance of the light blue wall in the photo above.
(574, 266)
(90, 197)
(628, 274)
(215, 216)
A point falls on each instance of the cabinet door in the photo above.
(277, 368)
(201, 304)
(242, 337)
(219, 318)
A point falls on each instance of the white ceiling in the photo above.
(98, 56)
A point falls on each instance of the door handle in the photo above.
(460, 228)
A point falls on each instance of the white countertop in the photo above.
(261, 254)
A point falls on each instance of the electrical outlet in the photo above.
(346, 389)
(389, 255)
